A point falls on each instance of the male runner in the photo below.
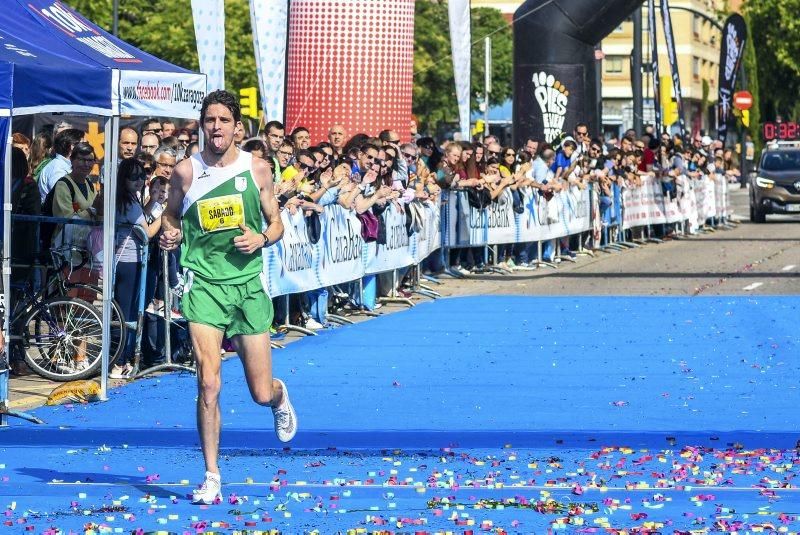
(218, 201)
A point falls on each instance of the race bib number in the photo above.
(221, 213)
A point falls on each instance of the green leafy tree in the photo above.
(775, 32)
(750, 62)
(434, 84)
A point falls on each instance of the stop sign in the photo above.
(742, 100)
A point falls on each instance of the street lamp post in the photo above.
(636, 74)
(115, 18)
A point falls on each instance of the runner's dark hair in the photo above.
(225, 98)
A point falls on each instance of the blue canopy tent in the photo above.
(143, 85)
(38, 78)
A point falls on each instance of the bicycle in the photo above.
(60, 334)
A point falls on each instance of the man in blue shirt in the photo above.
(59, 166)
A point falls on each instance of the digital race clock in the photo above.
(782, 131)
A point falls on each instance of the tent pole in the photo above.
(109, 216)
(6, 147)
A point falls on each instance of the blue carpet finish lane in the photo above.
(474, 370)
(515, 413)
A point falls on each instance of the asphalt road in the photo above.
(751, 259)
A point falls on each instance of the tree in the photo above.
(776, 40)
(750, 63)
(434, 84)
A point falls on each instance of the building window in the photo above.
(696, 68)
(613, 64)
(696, 26)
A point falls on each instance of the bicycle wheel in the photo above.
(94, 295)
(58, 331)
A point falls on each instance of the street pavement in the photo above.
(751, 259)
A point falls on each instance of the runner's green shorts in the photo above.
(232, 308)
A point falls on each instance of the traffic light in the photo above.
(248, 102)
(478, 128)
(746, 118)
(669, 107)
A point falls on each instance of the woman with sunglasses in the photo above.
(128, 256)
(508, 162)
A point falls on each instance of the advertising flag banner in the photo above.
(653, 36)
(460, 37)
(209, 31)
(734, 34)
(673, 64)
(270, 21)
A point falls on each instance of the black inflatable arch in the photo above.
(554, 64)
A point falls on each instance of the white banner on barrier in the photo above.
(695, 201)
(295, 265)
(567, 213)
(292, 264)
(429, 239)
(342, 247)
(396, 253)
(688, 203)
(704, 192)
(721, 194)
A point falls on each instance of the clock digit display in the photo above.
(784, 131)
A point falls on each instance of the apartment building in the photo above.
(697, 44)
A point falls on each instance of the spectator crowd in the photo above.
(57, 173)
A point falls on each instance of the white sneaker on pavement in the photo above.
(120, 372)
(209, 492)
(313, 324)
(285, 417)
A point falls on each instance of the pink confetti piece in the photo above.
(619, 403)
(152, 477)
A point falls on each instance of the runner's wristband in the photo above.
(266, 239)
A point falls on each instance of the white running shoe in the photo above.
(209, 492)
(73, 366)
(313, 324)
(120, 372)
(285, 417)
